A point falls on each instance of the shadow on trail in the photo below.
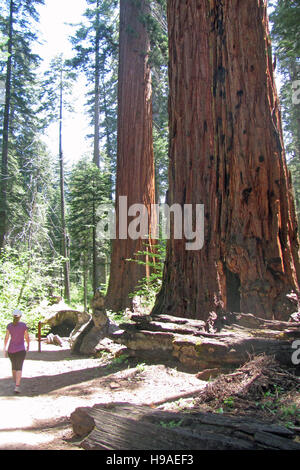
(60, 354)
(45, 384)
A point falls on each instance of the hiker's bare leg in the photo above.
(18, 377)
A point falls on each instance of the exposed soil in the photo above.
(55, 382)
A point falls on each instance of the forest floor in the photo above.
(55, 383)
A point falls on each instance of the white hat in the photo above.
(17, 313)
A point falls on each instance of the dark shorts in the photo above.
(17, 359)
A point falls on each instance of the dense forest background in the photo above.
(48, 213)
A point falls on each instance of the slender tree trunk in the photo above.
(99, 260)
(29, 245)
(95, 257)
(5, 139)
(135, 161)
(226, 152)
(64, 241)
(108, 136)
(85, 280)
(97, 91)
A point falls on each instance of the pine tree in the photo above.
(57, 87)
(18, 17)
(94, 44)
(88, 188)
(286, 37)
(95, 48)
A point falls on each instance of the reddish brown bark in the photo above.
(135, 161)
(226, 152)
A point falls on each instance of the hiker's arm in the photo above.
(27, 339)
(5, 342)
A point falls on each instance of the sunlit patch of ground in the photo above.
(55, 383)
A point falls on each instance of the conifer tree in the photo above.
(18, 18)
(286, 37)
(94, 44)
(57, 85)
(88, 188)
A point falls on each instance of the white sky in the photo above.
(54, 34)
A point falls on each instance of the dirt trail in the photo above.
(55, 383)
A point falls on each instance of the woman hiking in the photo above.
(18, 332)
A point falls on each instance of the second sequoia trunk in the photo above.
(226, 152)
(135, 160)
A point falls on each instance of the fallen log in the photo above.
(216, 322)
(122, 426)
(61, 319)
(188, 341)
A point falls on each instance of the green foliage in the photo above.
(141, 367)
(156, 22)
(160, 147)
(26, 168)
(229, 402)
(171, 424)
(116, 317)
(77, 291)
(290, 411)
(3, 46)
(275, 402)
(148, 288)
(58, 79)
(285, 32)
(88, 188)
(25, 279)
(95, 46)
(117, 361)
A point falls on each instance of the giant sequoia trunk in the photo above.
(226, 152)
(135, 162)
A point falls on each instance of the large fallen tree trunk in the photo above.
(122, 426)
(61, 319)
(222, 342)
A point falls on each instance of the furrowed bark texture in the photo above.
(226, 152)
(135, 161)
